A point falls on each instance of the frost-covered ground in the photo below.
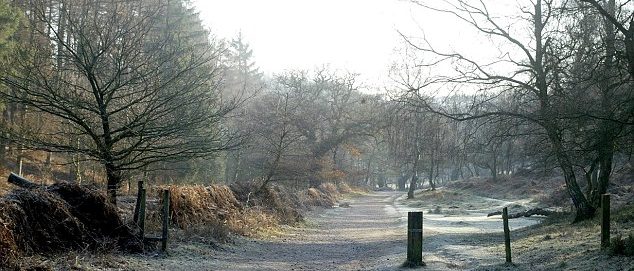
(371, 235)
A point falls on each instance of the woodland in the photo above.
(103, 94)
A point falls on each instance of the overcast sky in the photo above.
(354, 35)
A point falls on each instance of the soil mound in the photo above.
(58, 218)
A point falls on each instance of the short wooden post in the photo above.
(507, 234)
(414, 239)
(166, 218)
(605, 220)
(135, 217)
(142, 215)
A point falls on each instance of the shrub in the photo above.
(329, 189)
(344, 188)
(622, 246)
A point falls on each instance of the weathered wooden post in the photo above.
(142, 215)
(507, 234)
(605, 221)
(414, 239)
(135, 217)
(166, 218)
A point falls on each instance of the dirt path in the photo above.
(370, 235)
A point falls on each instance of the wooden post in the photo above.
(414, 239)
(507, 234)
(142, 215)
(135, 217)
(166, 218)
(605, 220)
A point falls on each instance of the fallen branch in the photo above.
(527, 213)
(21, 181)
(494, 213)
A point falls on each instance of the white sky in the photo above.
(354, 35)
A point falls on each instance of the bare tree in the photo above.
(275, 142)
(133, 88)
(533, 81)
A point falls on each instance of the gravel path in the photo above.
(362, 237)
(369, 235)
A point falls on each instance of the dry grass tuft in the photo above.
(330, 190)
(276, 200)
(214, 211)
(195, 204)
(244, 208)
(254, 220)
(202, 210)
(315, 197)
(344, 188)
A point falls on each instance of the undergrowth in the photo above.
(621, 246)
(245, 208)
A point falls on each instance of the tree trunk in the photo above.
(606, 155)
(49, 161)
(412, 184)
(236, 169)
(494, 167)
(508, 163)
(3, 148)
(368, 171)
(589, 182)
(584, 209)
(401, 182)
(114, 178)
(431, 176)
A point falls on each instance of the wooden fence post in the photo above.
(142, 215)
(605, 221)
(507, 234)
(135, 217)
(414, 239)
(166, 218)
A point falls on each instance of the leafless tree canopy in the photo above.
(121, 82)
